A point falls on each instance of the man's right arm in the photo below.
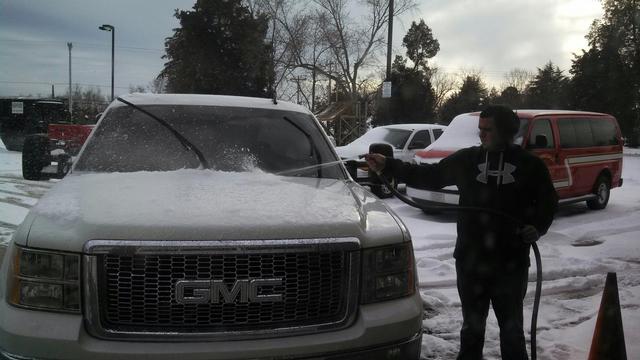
(430, 176)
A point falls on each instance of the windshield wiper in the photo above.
(314, 149)
(188, 145)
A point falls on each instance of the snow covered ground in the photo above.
(580, 248)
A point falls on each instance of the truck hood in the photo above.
(205, 205)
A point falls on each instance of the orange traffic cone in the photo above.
(608, 336)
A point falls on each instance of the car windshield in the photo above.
(394, 137)
(230, 138)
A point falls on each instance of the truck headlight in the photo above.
(45, 280)
(388, 273)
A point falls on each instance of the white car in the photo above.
(406, 139)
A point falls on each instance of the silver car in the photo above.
(209, 227)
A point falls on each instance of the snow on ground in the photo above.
(580, 248)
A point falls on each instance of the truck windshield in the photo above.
(231, 139)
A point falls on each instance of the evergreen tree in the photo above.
(421, 45)
(606, 77)
(548, 89)
(471, 97)
(511, 97)
(219, 48)
(412, 98)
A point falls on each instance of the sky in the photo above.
(493, 36)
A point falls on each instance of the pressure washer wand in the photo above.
(458, 208)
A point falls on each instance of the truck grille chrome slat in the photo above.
(258, 291)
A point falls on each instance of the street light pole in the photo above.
(107, 27)
(70, 46)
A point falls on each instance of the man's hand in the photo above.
(529, 234)
(376, 162)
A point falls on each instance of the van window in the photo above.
(604, 132)
(541, 127)
(437, 133)
(518, 138)
(420, 140)
(575, 133)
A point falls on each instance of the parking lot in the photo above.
(580, 248)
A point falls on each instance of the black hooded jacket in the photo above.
(512, 181)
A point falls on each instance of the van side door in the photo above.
(542, 141)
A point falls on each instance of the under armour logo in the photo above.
(504, 176)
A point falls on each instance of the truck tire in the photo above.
(602, 190)
(35, 156)
(377, 188)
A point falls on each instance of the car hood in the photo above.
(206, 205)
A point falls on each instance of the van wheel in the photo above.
(602, 190)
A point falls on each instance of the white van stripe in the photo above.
(560, 184)
(583, 160)
(593, 158)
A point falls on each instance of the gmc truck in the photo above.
(209, 227)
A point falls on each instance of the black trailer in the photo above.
(20, 117)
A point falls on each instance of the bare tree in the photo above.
(443, 84)
(517, 78)
(350, 44)
(137, 89)
(157, 85)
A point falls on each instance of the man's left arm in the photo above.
(545, 197)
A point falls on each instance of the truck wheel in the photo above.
(602, 190)
(35, 156)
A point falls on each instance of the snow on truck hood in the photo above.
(204, 205)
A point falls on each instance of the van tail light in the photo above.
(433, 154)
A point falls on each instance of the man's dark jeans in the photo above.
(505, 290)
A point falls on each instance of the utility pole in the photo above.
(297, 79)
(389, 40)
(53, 91)
(70, 45)
(330, 72)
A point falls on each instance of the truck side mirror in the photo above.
(541, 141)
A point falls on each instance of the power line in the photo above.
(96, 45)
(58, 83)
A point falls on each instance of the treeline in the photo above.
(315, 52)
(603, 78)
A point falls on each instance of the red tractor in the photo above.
(37, 128)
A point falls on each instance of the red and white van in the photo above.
(583, 151)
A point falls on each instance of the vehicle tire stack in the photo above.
(35, 156)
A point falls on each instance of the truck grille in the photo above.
(137, 292)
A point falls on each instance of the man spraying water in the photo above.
(492, 253)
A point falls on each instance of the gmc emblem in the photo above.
(216, 291)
